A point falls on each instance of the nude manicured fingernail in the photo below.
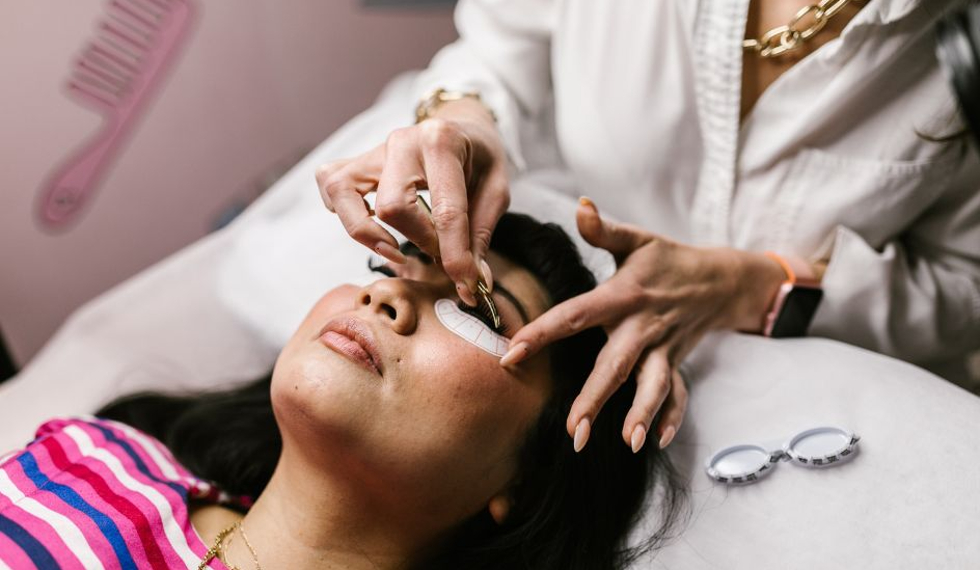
(582, 431)
(514, 354)
(587, 202)
(385, 250)
(487, 274)
(667, 437)
(638, 438)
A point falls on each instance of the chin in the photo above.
(320, 398)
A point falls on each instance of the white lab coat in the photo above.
(639, 99)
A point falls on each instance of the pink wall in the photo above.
(258, 84)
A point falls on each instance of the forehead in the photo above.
(521, 282)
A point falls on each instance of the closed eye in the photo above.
(482, 312)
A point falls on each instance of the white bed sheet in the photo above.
(217, 311)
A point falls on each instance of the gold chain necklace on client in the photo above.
(789, 37)
(218, 550)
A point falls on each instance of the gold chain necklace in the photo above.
(789, 37)
(218, 550)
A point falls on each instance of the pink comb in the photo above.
(116, 75)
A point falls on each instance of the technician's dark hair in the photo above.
(571, 511)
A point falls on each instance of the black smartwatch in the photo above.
(796, 301)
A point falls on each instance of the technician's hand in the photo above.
(662, 299)
(459, 156)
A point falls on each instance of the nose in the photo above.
(390, 300)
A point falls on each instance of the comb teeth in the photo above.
(138, 13)
(159, 5)
(93, 91)
(105, 74)
(113, 57)
(108, 69)
(126, 32)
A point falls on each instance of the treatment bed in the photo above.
(218, 311)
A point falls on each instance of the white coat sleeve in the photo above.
(503, 52)
(918, 297)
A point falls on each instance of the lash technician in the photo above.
(783, 167)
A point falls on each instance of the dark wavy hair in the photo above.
(571, 511)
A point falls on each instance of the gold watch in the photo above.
(435, 98)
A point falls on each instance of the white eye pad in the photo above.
(470, 328)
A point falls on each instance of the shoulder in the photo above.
(89, 492)
(83, 449)
(69, 448)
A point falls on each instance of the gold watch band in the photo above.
(435, 98)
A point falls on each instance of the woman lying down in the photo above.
(386, 437)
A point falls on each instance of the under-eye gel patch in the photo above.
(470, 328)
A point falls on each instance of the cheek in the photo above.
(456, 364)
(300, 361)
(461, 393)
(308, 382)
(313, 390)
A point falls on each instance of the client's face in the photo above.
(373, 387)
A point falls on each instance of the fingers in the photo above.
(674, 408)
(612, 368)
(342, 187)
(324, 172)
(618, 239)
(659, 388)
(353, 213)
(488, 204)
(436, 154)
(397, 197)
(444, 151)
(587, 310)
(360, 174)
(653, 386)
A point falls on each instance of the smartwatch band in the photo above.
(801, 281)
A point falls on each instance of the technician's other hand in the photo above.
(459, 156)
(660, 302)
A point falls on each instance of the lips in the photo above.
(353, 339)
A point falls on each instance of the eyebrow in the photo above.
(498, 288)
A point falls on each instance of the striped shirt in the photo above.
(92, 493)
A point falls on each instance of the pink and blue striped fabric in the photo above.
(89, 493)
